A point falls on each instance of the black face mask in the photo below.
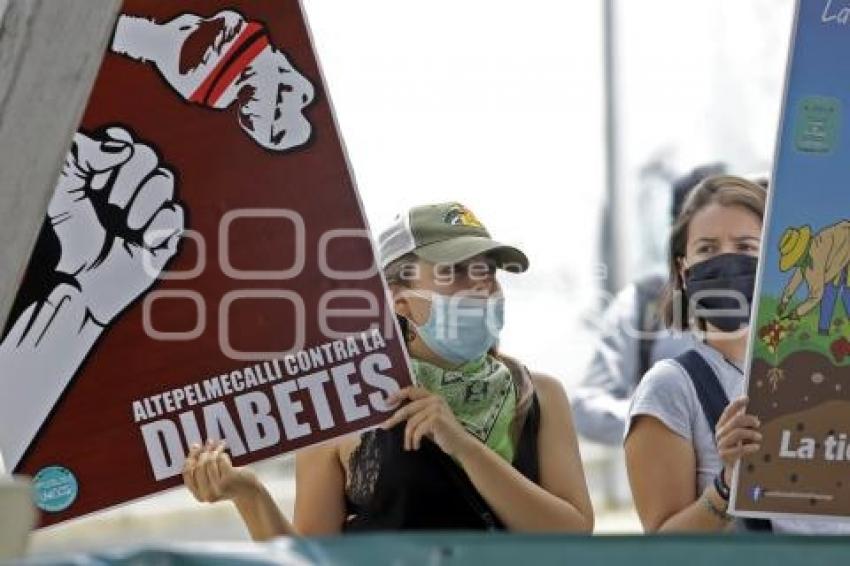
(713, 278)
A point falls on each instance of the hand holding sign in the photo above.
(428, 416)
(211, 477)
(737, 434)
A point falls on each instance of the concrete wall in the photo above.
(50, 51)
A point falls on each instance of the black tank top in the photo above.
(425, 489)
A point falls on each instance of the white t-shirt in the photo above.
(667, 393)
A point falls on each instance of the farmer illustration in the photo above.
(821, 260)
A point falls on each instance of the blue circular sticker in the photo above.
(54, 489)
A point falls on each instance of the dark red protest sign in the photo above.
(204, 270)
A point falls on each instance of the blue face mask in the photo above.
(462, 328)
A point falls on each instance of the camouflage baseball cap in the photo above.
(445, 233)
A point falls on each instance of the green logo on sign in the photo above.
(818, 120)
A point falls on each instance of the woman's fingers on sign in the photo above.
(205, 470)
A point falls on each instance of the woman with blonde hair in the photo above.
(683, 436)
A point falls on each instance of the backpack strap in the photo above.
(713, 400)
(709, 391)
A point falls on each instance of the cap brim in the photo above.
(462, 248)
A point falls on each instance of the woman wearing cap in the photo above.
(683, 436)
(482, 443)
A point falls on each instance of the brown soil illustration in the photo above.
(809, 397)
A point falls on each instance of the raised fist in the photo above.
(116, 220)
(221, 62)
(113, 225)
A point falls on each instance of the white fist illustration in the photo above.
(116, 225)
(222, 60)
(116, 220)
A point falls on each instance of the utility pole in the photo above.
(610, 252)
(50, 52)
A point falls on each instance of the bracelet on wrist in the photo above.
(722, 487)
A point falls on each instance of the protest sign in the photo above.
(799, 354)
(204, 269)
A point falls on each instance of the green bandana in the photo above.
(482, 396)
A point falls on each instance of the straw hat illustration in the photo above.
(794, 244)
